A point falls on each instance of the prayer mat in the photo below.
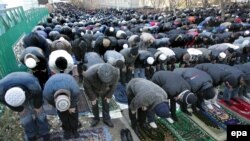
(241, 109)
(185, 129)
(147, 133)
(209, 126)
(91, 134)
(82, 104)
(221, 117)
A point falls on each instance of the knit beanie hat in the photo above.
(162, 110)
(187, 97)
(106, 72)
(106, 42)
(15, 96)
(62, 100)
(119, 64)
(134, 51)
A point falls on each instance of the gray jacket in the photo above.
(94, 87)
(145, 93)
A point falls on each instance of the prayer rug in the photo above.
(241, 109)
(83, 105)
(221, 117)
(185, 129)
(148, 133)
(91, 134)
(209, 126)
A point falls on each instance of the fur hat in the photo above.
(187, 97)
(15, 96)
(106, 72)
(162, 110)
(62, 100)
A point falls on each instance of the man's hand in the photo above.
(93, 102)
(107, 99)
(144, 108)
(38, 111)
(72, 110)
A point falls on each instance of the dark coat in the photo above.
(94, 87)
(25, 81)
(58, 82)
(171, 82)
(218, 74)
(197, 79)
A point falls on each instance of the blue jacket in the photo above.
(197, 79)
(61, 81)
(28, 83)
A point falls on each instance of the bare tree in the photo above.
(222, 6)
(205, 3)
(158, 3)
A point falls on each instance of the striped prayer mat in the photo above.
(185, 129)
(242, 109)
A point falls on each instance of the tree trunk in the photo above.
(205, 3)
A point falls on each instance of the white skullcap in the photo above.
(162, 57)
(150, 60)
(222, 55)
(111, 29)
(125, 46)
(247, 32)
(30, 63)
(227, 30)
(14, 97)
(62, 103)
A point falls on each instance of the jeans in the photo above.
(228, 94)
(34, 124)
(139, 73)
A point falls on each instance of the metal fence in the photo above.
(14, 24)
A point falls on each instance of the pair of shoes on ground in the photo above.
(126, 135)
(69, 135)
(108, 122)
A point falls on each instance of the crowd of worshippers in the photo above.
(160, 59)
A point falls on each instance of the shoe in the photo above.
(76, 135)
(217, 105)
(79, 125)
(170, 120)
(46, 137)
(153, 125)
(234, 99)
(228, 103)
(128, 135)
(174, 117)
(123, 135)
(187, 112)
(67, 135)
(108, 122)
(32, 138)
(210, 106)
(94, 122)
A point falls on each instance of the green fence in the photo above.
(14, 24)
